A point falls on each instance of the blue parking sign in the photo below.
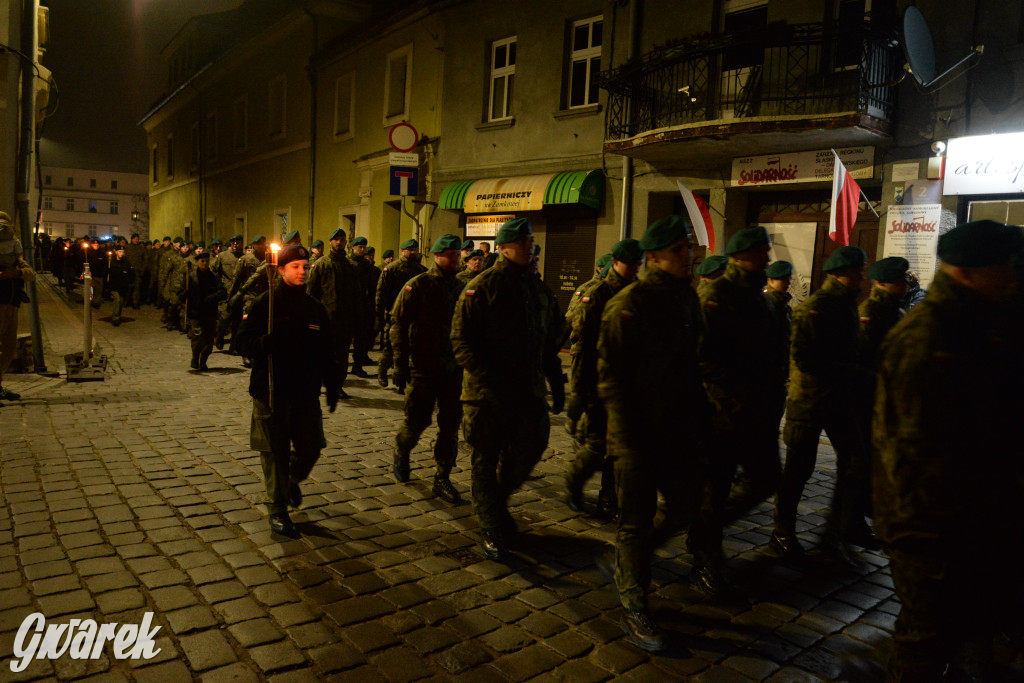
(405, 181)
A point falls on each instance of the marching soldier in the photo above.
(316, 251)
(224, 266)
(388, 256)
(472, 266)
(649, 337)
(120, 282)
(466, 247)
(392, 279)
(590, 457)
(287, 425)
(505, 336)
(174, 287)
(743, 360)
(421, 339)
(574, 409)
(780, 275)
(332, 282)
(364, 324)
(172, 253)
(947, 472)
(137, 256)
(880, 312)
(826, 381)
(710, 269)
(202, 295)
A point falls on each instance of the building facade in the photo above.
(78, 202)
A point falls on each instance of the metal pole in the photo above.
(87, 315)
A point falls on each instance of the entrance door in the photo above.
(569, 255)
(391, 227)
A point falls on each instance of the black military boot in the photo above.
(202, 362)
(281, 523)
(400, 464)
(574, 492)
(357, 370)
(444, 489)
(294, 495)
(708, 578)
(195, 363)
(493, 544)
(382, 377)
(785, 545)
(642, 630)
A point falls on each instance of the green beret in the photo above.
(512, 230)
(628, 251)
(293, 252)
(892, 269)
(134, 235)
(166, 239)
(201, 244)
(467, 245)
(236, 238)
(746, 239)
(475, 253)
(409, 244)
(444, 243)
(359, 241)
(177, 240)
(370, 250)
(980, 243)
(388, 254)
(604, 271)
(317, 243)
(215, 240)
(665, 232)
(294, 234)
(337, 234)
(779, 270)
(712, 264)
(846, 257)
(205, 256)
(259, 239)
(604, 260)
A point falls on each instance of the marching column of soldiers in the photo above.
(677, 395)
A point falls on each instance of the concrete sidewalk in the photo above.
(140, 493)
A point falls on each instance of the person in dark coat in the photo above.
(203, 295)
(120, 280)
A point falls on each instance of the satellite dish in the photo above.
(919, 50)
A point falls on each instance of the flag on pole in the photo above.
(845, 199)
(700, 217)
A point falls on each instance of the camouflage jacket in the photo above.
(332, 282)
(824, 366)
(136, 255)
(743, 353)
(367, 285)
(465, 275)
(879, 313)
(648, 374)
(947, 467)
(586, 328)
(778, 302)
(177, 276)
(421, 328)
(167, 259)
(225, 265)
(391, 281)
(245, 268)
(505, 336)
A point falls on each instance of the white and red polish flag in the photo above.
(845, 199)
(700, 217)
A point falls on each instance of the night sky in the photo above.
(105, 57)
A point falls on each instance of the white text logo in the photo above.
(82, 639)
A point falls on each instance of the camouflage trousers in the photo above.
(289, 440)
(591, 438)
(387, 355)
(117, 301)
(507, 444)
(228, 321)
(423, 394)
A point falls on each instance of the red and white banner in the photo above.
(845, 198)
(700, 217)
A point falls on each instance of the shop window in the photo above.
(277, 91)
(1009, 211)
(397, 83)
(503, 75)
(344, 106)
(585, 61)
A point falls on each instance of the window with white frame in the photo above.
(397, 85)
(92, 231)
(93, 206)
(47, 202)
(503, 75)
(113, 208)
(240, 133)
(277, 92)
(344, 105)
(69, 230)
(211, 136)
(69, 204)
(585, 61)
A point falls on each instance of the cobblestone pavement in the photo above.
(140, 493)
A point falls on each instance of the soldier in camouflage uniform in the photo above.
(947, 471)
(505, 336)
(156, 257)
(882, 309)
(245, 268)
(135, 252)
(710, 269)
(332, 282)
(743, 360)
(421, 339)
(171, 253)
(392, 280)
(174, 286)
(363, 336)
(224, 267)
(467, 247)
(316, 252)
(472, 266)
(649, 381)
(826, 383)
(586, 325)
(776, 293)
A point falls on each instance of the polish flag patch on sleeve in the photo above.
(408, 288)
(626, 314)
(470, 292)
(586, 299)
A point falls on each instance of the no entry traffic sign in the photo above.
(403, 137)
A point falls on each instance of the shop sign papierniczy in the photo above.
(985, 164)
(801, 167)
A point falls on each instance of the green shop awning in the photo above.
(525, 193)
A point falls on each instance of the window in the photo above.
(69, 230)
(585, 61)
(71, 181)
(69, 204)
(170, 157)
(344, 105)
(503, 74)
(48, 180)
(211, 137)
(92, 206)
(47, 202)
(113, 184)
(113, 208)
(92, 182)
(241, 123)
(194, 139)
(155, 164)
(92, 231)
(277, 92)
(397, 82)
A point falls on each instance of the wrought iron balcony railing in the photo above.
(799, 70)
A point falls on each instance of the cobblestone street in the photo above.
(140, 493)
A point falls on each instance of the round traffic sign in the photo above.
(403, 137)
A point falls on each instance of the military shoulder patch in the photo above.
(470, 292)
(711, 304)
(586, 299)
(865, 320)
(408, 288)
(579, 292)
(626, 314)
(812, 314)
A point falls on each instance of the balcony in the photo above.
(782, 88)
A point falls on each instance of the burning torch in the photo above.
(271, 270)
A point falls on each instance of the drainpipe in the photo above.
(625, 220)
(311, 68)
